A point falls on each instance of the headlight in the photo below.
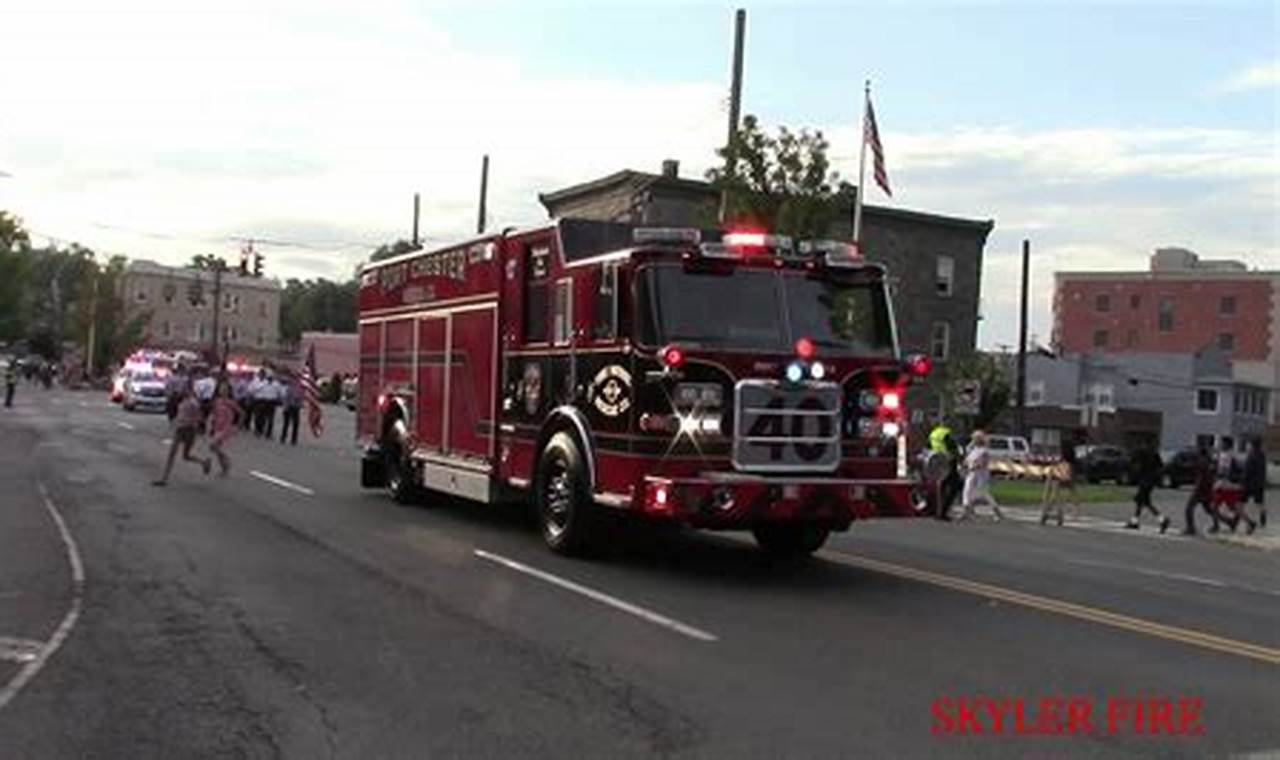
(817, 370)
(795, 372)
(890, 429)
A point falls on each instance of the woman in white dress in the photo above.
(977, 478)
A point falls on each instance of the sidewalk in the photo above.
(1111, 518)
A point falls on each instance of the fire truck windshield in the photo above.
(763, 310)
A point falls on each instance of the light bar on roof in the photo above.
(757, 240)
(648, 235)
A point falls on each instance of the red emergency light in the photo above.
(672, 357)
(806, 349)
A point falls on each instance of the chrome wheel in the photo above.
(557, 501)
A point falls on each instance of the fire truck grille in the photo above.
(786, 428)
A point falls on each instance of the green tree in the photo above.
(206, 261)
(784, 184)
(116, 336)
(320, 305)
(15, 272)
(387, 250)
(993, 378)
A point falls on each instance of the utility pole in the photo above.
(484, 193)
(93, 324)
(218, 267)
(735, 104)
(1021, 416)
(416, 244)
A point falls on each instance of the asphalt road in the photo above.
(284, 612)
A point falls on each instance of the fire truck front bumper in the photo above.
(733, 500)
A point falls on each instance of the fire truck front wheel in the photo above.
(791, 539)
(562, 498)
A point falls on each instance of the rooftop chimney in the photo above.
(671, 168)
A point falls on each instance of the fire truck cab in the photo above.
(721, 381)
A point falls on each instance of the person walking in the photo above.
(257, 395)
(1227, 491)
(1201, 494)
(1146, 466)
(174, 388)
(1059, 478)
(224, 419)
(943, 444)
(188, 421)
(10, 382)
(977, 479)
(1255, 479)
(292, 411)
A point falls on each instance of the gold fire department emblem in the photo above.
(611, 390)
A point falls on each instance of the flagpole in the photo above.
(862, 172)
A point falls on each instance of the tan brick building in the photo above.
(249, 320)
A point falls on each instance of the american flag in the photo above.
(315, 418)
(871, 135)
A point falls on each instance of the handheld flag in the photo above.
(315, 417)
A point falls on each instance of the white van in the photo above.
(1013, 448)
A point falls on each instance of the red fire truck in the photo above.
(722, 381)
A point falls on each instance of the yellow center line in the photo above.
(1266, 654)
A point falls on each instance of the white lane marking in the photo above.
(282, 482)
(1152, 573)
(50, 647)
(125, 425)
(1090, 523)
(19, 650)
(600, 596)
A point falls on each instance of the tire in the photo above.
(562, 499)
(399, 475)
(792, 540)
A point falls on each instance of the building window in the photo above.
(1102, 302)
(562, 318)
(262, 309)
(1227, 305)
(946, 274)
(1131, 339)
(262, 338)
(941, 341)
(1166, 313)
(1100, 338)
(1035, 393)
(605, 325)
(1207, 401)
(140, 295)
(1135, 301)
(1102, 396)
(1226, 342)
(164, 328)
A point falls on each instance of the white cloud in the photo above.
(311, 124)
(1261, 77)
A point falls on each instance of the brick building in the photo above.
(1182, 305)
(934, 262)
(249, 322)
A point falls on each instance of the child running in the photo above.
(188, 420)
(224, 418)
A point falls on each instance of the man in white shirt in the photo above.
(254, 395)
(266, 397)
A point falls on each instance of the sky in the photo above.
(1099, 131)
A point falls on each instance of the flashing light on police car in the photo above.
(891, 401)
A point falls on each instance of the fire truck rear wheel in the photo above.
(562, 497)
(399, 476)
(791, 539)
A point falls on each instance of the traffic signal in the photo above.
(244, 263)
(257, 265)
